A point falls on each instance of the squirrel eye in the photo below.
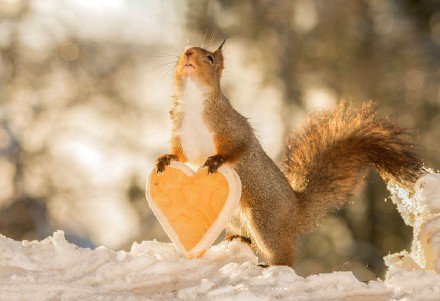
(211, 58)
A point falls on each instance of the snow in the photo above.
(56, 269)
(422, 212)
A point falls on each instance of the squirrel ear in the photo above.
(219, 49)
(218, 54)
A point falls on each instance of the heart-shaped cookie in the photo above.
(193, 207)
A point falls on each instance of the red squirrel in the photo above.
(324, 161)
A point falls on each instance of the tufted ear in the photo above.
(218, 55)
(221, 45)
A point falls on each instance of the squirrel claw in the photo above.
(214, 162)
(243, 239)
(163, 161)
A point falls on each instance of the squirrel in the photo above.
(324, 161)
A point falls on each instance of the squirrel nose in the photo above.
(188, 52)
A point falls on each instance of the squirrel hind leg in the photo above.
(276, 249)
(282, 255)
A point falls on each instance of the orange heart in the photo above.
(193, 207)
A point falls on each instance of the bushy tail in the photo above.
(328, 158)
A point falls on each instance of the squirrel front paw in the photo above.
(163, 161)
(214, 162)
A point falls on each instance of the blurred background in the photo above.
(85, 89)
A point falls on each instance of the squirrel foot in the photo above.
(163, 161)
(214, 162)
(241, 238)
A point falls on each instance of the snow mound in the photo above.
(422, 212)
(55, 269)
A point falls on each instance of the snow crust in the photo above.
(54, 269)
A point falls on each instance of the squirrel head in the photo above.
(201, 65)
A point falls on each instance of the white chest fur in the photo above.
(197, 140)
